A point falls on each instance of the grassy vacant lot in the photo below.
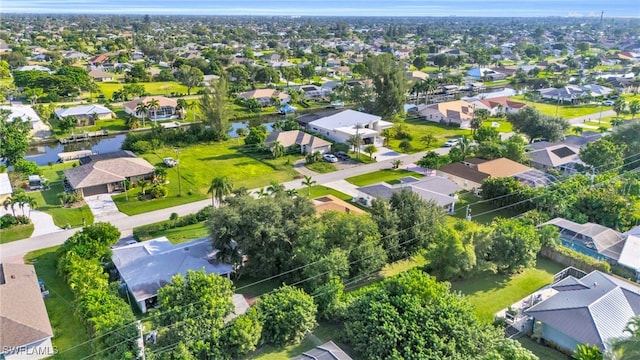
(15, 233)
(68, 330)
(321, 167)
(420, 127)
(199, 164)
(164, 88)
(48, 199)
(489, 293)
(478, 208)
(564, 111)
(385, 175)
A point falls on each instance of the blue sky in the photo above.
(502, 8)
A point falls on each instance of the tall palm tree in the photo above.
(465, 146)
(153, 106)
(8, 202)
(429, 86)
(142, 109)
(578, 130)
(32, 204)
(182, 107)
(370, 149)
(479, 116)
(291, 193)
(308, 183)
(143, 183)
(277, 149)
(219, 188)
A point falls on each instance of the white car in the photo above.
(169, 162)
(451, 143)
(330, 158)
(607, 103)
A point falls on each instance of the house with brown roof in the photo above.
(100, 76)
(332, 203)
(499, 105)
(106, 174)
(167, 108)
(308, 143)
(452, 112)
(25, 328)
(265, 96)
(562, 157)
(470, 174)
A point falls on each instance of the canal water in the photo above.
(48, 153)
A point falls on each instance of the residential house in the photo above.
(435, 188)
(106, 173)
(5, 186)
(314, 92)
(26, 113)
(147, 266)
(265, 97)
(86, 114)
(167, 108)
(308, 143)
(34, 68)
(326, 351)
(561, 157)
(332, 203)
(99, 59)
(470, 174)
(416, 75)
(457, 112)
(591, 309)
(344, 125)
(100, 76)
(26, 330)
(574, 93)
(499, 105)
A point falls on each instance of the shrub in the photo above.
(158, 192)
(7, 221)
(141, 147)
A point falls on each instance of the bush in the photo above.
(158, 192)
(8, 221)
(141, 147)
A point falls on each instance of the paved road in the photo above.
(591, 117)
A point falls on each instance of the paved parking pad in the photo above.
(103, 207)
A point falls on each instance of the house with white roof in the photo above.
(86, 114)
(5, 186)
(341, 126)
(27, 114)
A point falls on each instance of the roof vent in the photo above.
(595, 284)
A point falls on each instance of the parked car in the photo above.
(330, 158)
(342, 155)
(169, 162)
(607, 103)
(451, 142)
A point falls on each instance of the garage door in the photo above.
(95, 190)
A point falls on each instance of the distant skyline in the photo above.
(461, 8)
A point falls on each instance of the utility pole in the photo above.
(468, 215)
(141, 340)
(178, 164)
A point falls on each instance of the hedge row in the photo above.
(146, 232)
(570, 257)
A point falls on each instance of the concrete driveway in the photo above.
(103, 207)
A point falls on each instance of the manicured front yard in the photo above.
(15, 233)
(68, 330)
(418, 128)
(385, 175)
(489, 293)
(201, 163)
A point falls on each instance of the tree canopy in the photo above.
(14, 138)
(536, 125)
(389, 83)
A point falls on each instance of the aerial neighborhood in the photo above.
(308, 187)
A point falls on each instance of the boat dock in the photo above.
(83, 137)
(73, 155)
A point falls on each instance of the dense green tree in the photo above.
(603, 155)
(287, 315)
(137, 73)
(605, 207)
(420, 62)
(450, 257)
(535, 125)
(389, 82)
(433, 160)
(619, 106)
(290, 73)
(266, 75)
(189, 76)
(515, 245)
(215, 108)
(14, 138)
(514, 149)
(508, 349)
(242, 334)
(93, 242)
(486, 133)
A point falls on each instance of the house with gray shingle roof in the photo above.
(326, 351)
(592, 310)
(308, 143)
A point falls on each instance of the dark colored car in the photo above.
(342, 155)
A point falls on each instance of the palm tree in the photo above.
(8, 202)
(262, 193)
(277, 149)
(429, 86)
(142, 109)
(219, 188)
(370, 149)
(291, 193)
(154, 105)
(615, 122)
(308, 183)
(578, 130)
(355, 141)
(159, 175)
(465, 146)
(143, 183)
(603, 129)
(634, 108)
(629, 347)
(32, 204)
(428, 139)
(182, 107)
(275, 188)
(395, 164)
(192, 106)
(479, 116)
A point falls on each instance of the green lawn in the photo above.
(323, 333)
(199, 164)
(182, 234)
(385, 175)
(319, 190)
(543, 352)
(321, 167)
(164, 88)
(15, 233)
(478, 206)
(564, 111)
(420, 127)
(68, 329)
(505, 126)
(489, 293)
(48, 199)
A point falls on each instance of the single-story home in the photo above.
(314, 92)
(147, 266)
(326, 351)
(452, 112)
(308, 143)
(100, 76)
(499, 105)
(167, 108)
(561, 157)
(435, 188)
(470, 174)
(5, 186)
(592, 309)
(332, 203)
(343, 125)
(26, 330)
(573, 93)
(416, 75)
(86, 114)
(22, 112)
(104, 173)
(34, 68)
(265, 97)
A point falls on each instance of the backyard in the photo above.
(418, 128)
(199, 164)
(386, 175)
(564, 111)
(164, 88)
